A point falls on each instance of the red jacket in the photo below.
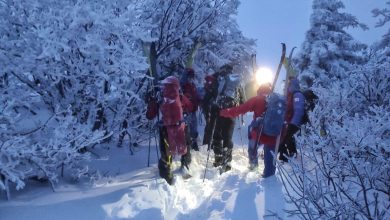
(255, 105)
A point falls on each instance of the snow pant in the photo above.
(252, 153)
(222, 141)
(165, 161)
(288, 146)
(192, 123)
(269, 167)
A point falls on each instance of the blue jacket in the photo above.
(297, 105)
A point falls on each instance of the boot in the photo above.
(217, 161)
(225, 168)
(165, 171)
(194, 145)
(185, 170)
(253, 166)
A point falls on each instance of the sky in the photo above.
(276, 21)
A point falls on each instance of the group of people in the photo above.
(222, 101)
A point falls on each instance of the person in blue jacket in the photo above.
(293, 118)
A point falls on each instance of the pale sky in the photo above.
(274, 21)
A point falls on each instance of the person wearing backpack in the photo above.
(257, 105)
(189, 90)
(228, 95)
(294, 118)
(172, 128)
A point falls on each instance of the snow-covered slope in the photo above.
(125, 188)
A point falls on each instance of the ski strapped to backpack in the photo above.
(289, 73)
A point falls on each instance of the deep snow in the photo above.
(125, 188)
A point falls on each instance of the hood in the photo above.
(170, 87)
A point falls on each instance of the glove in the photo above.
(226, 113)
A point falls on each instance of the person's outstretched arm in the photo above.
(239, 110)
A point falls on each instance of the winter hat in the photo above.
(264, 88)
(170, 87)
(170, 80)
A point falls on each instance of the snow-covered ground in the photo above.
(128, 189)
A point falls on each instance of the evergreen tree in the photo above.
(328, 49)
(343, 171)
(384, 14)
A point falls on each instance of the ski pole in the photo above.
(242, 142)
(211, 141)
(156, 143)
(150, 137)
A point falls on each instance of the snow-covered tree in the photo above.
(343, 171)
(74, 61)
(384, 15)
(223, 43)
(72, 72)
(179, 29)
(345, 174)
(328, 49)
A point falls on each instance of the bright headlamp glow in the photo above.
(264, 75)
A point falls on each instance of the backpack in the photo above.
(310, 102)
(274, 114)
(228, 87)
(172, 116)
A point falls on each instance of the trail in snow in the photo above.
(127, 189)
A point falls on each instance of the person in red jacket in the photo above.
(172, 128)
(257, 105)
(189, 90)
